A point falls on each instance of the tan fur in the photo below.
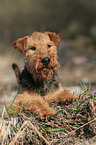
(46, 46)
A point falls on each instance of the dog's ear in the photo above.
(56, 38)
(20, 44)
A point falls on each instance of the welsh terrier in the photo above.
(38, 83)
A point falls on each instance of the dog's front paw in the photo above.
(66, 97)
(47, 113)
(70, 99)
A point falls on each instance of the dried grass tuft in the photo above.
(71, 124)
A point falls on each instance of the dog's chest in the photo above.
(43, 88)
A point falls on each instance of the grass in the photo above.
(9, 109)
(72, 123)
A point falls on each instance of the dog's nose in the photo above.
(45, 60)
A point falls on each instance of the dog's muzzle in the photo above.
(45, 60)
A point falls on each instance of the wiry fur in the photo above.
(39, 84)
(42, 88)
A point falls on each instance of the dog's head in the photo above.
(40, 50)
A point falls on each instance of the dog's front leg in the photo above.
(65, 96)
(32, 102)
(61, 96)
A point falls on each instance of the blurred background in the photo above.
(74, 20)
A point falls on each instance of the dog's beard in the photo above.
(42, 72)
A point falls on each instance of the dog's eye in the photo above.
(49, 46)
(33, 48)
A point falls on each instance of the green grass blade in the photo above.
(12, 103)
(54, 129)
(73, 108)
(83, 86)
(13, 119)
(73, 142)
